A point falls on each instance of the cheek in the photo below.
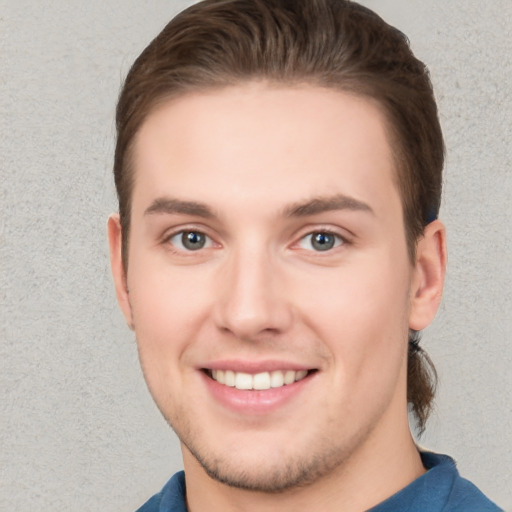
(361, 312)
(363, 326)
(167, 309)
(366, 295)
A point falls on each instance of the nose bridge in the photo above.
(251, 300)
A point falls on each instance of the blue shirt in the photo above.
(440, 489)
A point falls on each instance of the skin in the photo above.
(247, 157)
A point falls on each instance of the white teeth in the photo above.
(243, 380)
(259, 381)
(276, 379)
(229, 378)
(300, 374)
(289, 377)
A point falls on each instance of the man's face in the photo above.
(267, 248)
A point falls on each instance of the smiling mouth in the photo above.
(258, 381)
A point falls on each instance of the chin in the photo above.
(270, 470)
(268, 478)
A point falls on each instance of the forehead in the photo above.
(265, 144)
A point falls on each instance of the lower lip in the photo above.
(255, 401)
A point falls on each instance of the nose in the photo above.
(252, 299)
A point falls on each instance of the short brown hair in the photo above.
(330, 43)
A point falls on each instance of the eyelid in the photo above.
(338, 241)
(342, 234)
(178, 230)
(178, 244)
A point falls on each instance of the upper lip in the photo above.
(254, 367)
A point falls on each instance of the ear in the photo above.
(115, 238)
(428, 278)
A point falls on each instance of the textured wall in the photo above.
(78, 428)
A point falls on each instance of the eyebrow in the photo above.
(325, 204)
(168, 205)
(177, 206)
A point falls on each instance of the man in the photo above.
(277, 251)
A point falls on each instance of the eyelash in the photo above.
(168, 240)
(339, 240)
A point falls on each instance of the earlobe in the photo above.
(428, 279)
(115, 238)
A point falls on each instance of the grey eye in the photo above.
(320, 241)
(190, 240)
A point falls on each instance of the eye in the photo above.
(320, 241)
(190, 241)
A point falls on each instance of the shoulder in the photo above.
(466, 496)
(170, 499)
(460, 494)
(440, 489)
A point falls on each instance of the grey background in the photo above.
(78, 428)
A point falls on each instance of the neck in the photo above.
(386, 463)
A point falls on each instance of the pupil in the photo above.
(193, 241)
(323, 241)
